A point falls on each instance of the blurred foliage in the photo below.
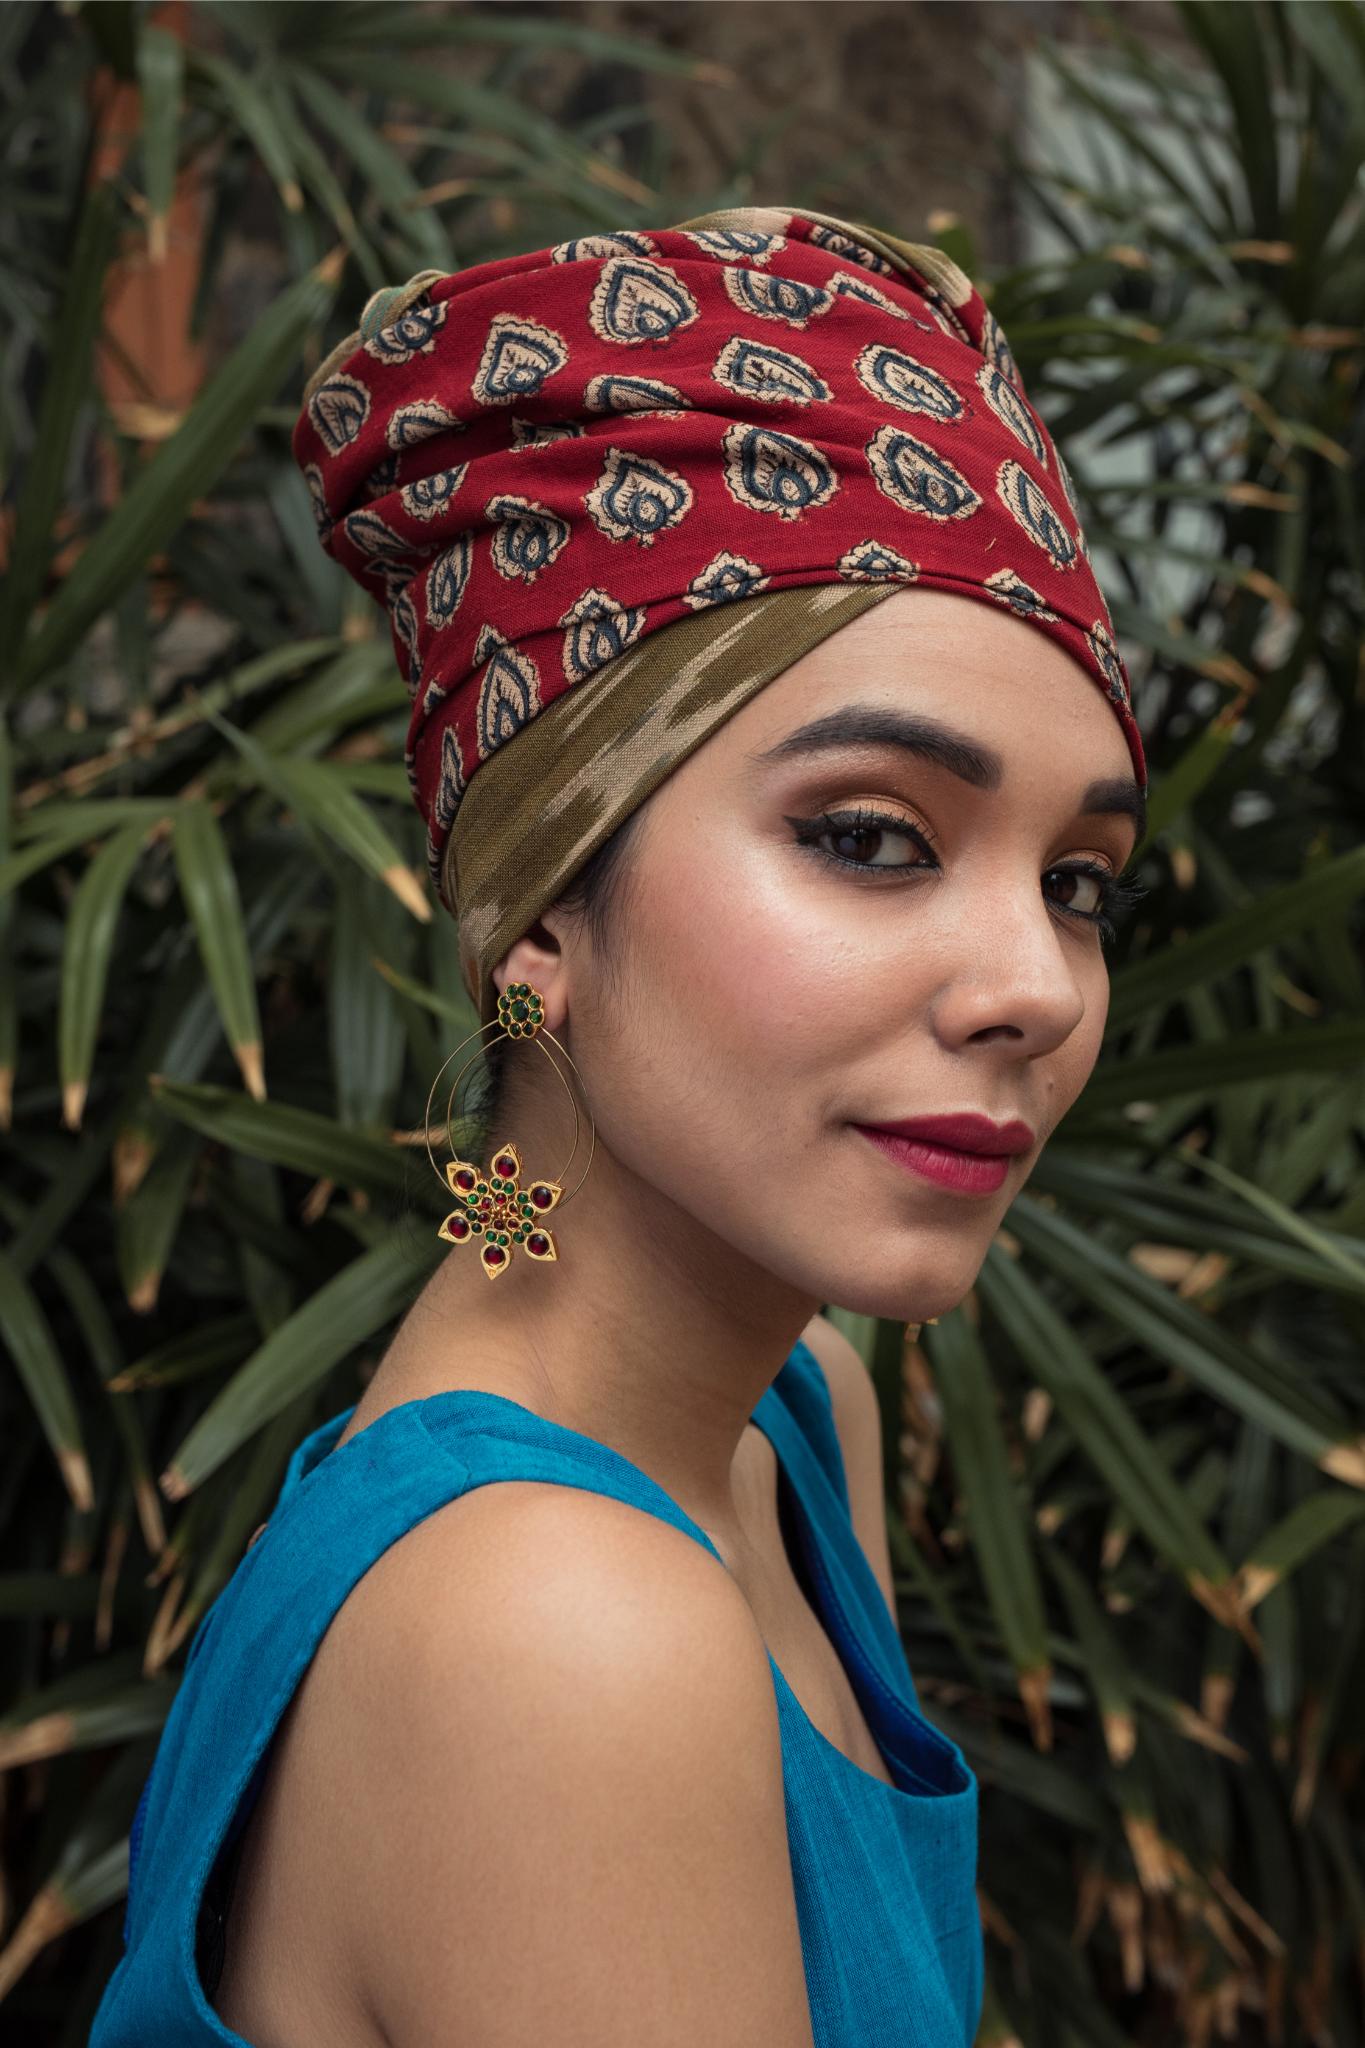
(1128, 1475)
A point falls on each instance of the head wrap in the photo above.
(664, 464)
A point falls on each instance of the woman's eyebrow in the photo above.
(859, 726)
(875, 725)
(1117, 797)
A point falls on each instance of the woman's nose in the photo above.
(1013, 980)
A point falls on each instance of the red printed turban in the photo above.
(540, 462)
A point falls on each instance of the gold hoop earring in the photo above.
(492, 1204)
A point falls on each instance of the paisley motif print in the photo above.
(788, 299)
(771, 472)
(840, 244)
(1011, 410)
(591, 248)
(317, 500)
(338, 410)
(527, 537)
(1030, 505)
(725, 577)
(372, 536)
(403, 614)
(638, 300)
(1021, 597)
(872, 561)
(530, 434)
(637, 499)
(773, 375)
(382, 478)
(865, 293)
(749, 244)
(450, 786)
(519, 356)
(413, 333)
(597, 628)
(418, 420)
(631, 394)
(888, 373)
(997, 350)
(917, 478)
(446, 581)
(1101, 643)
(427, 497)
(509, 696)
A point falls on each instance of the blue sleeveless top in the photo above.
(885, 1875)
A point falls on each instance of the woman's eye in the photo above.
(865, 840)
(1079, 890)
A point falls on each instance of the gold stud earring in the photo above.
(491, 1204)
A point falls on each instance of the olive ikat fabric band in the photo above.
(662, 464)
(595, 754)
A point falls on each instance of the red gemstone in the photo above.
(541, 1197)
(464, 1178)
(492, 1255)
(537, 1243)
(458, 1227)
(506, 1166)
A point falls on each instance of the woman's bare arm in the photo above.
(565, 1822)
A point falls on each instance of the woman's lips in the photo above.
(967, 1173)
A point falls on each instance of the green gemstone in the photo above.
(517, 1236)
(482, 1188)
(478, 1230)
(521, 1010)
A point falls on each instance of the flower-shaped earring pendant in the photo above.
(494, 1206)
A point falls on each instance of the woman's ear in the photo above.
(537, 957)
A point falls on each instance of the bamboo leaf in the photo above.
(999, 1529)
(65, 391)
(1316, 1521)
(182, 469)
(1322, 1242)
(1276, 914)
(215, 907)
(323, 800)
(160, 70)
(257, 118)
(360, 1299)
(300, 1138)
(1107, 1432)
(31, 1345)
(1229, 1062)
(91, 927)
(47, 1726)
(366, 1027)
(147, 1223)
(1234, 1372)
(1102, 1660)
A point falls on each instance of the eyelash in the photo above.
(1118, 894)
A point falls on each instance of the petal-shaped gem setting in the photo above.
(493, 1207)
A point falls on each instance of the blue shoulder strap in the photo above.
(797, 1415)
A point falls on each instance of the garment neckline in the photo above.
(843, 1637)
(323, 1440)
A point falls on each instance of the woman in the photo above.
(777, 761)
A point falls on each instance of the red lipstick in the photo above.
(967, 1153)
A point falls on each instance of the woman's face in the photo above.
(870, 896)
